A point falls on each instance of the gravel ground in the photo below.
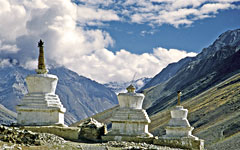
(136, 146)
(231, 143)
(13, 138)
(68, 145)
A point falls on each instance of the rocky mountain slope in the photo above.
(6, 116)
(81, 96)
(166, 73)
(211, 66)
(215, 115)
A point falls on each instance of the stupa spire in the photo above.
(41, 64)
(179, 98)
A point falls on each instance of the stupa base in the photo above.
(137, 139)
(40, 116)
(180, 142)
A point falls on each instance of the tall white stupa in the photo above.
(41, 106)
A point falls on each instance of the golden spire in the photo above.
(131, 89)
(179, 98)
(41, 65)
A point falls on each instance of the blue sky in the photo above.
(111, 40)
(194, 38)
(140, 38)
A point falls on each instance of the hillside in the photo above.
(210, 83)
(213, 65)
(167, 73)
(81, 96)
(215, 114)
(6, 116)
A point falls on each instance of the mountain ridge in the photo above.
(199, 68)
(166, 73)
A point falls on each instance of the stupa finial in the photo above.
(131, 89)
(179, 98)
(41, 65)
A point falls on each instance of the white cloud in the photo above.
(8, 47)
(175, 12)
(214, 7)
(104, 65)
(63, 27)
(89, 15)
(171, 55)
(13, 18)
(7, 62)
(30, 64)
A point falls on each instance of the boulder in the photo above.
(92, 130)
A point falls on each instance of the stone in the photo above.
(92, 130)
(68, 133)
(129, 120)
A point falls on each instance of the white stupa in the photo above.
(41, 106)
(178, 125)
(130, 119)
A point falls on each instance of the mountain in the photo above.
(6, 116)
(215, 115)
(166, 73)
(204, 71)
(119, 87)
(210, 83)
(81, 96)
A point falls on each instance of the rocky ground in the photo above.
(68, 145)
(24, 137)
(136, 146)
(13, 138)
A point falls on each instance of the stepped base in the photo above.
(148, 140)
(40, 109)
(185, 143)
(130, 122)
(178, 132)
(40, 117)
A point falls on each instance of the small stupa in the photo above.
(179, 131)
(129, 120)
(178, 125)
(41, 106)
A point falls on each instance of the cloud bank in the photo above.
(158, 12)
(63, 25)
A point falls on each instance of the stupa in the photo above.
(129, 120)
(41, 106)
(179, 131)
(178, 125)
